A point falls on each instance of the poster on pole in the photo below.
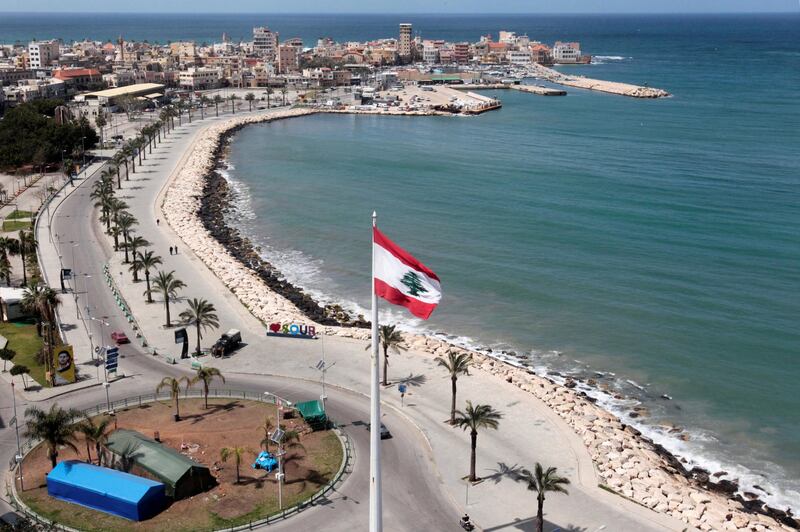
(63, 364)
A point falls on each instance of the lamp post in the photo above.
(18, 457)
(107, 385)
(278, 403)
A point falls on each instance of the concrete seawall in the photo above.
(611, 87)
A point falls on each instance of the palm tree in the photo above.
(456, 364)
(118, 160)
(390, 339)
(541, 481)
(95, 433)
(217, 100)
(270, 91)
(104, 199)
(55, 427)
(148, 260)
(27, 245)
(40, 301)
(168, 285)
(204, 101)
(129, 153)
(249, 97)
(173, 385)
(267, 428)
(236, 453)
(233, 99)
(67, 167)
(206, 375)
(6, 355)
(202, 315)
(125, 223)
(283, 94)
(474, 418)
(19, 369)
(5, 269)
(8, 246)
(135, 244)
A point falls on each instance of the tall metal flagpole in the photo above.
(375, 503)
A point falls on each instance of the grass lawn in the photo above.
(16, 225)
(201, 434)
(23, 339)
(20, 214)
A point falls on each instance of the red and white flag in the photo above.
(401, 279)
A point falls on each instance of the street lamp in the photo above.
(278, 435)
(18, 457)
(107, 385)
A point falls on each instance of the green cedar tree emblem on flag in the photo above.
(414, 284)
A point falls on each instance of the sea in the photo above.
(650, 245)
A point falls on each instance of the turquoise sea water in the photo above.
(658, 240)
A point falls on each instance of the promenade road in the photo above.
(424, 489)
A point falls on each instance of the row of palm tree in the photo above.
(24, 246)
(476, 417)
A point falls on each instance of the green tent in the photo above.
(182, 476)
(314, 414)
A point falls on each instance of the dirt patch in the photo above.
(201, 434)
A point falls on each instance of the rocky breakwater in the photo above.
(626, 462)
(261, 289)
(632, 465)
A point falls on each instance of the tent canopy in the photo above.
(107, 490)
(313, 412)
(182, 475)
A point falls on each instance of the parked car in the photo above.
(226, 343)
(120, 337)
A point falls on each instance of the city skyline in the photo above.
(416, 7)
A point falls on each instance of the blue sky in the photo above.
(406, 6)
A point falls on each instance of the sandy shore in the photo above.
(626, 463)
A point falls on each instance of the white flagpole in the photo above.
(375, 496)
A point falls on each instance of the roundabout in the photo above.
(225, 437)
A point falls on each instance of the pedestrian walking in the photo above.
(170, 250)
(176, 250)
(158, 222)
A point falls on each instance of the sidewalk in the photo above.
(529, 431)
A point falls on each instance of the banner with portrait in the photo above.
(63, 365)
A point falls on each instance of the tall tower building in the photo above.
(405, 42)
(265, 43)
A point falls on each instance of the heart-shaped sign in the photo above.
(274, 327)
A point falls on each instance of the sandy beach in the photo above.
(623, 461)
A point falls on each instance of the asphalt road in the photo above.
(413, 497)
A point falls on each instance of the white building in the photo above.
(519, 57)
(199, 78)
(566, 52)
(404, 44)
(430, 54)
(265, 43)
(42, 53)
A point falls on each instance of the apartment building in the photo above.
(265, 43)
(405, 43)
(41, 54)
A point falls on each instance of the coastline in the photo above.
(625, 461)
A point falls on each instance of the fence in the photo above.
(123, 305)
(345, 468)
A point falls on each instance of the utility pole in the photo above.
(19, 449)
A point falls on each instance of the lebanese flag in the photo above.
(401, 279)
